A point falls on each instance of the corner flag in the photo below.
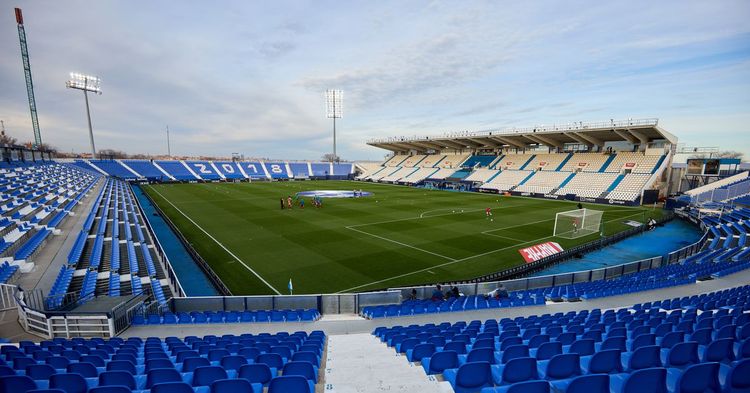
(290, 286)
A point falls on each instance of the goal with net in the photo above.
(577, 223)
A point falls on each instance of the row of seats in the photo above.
(281, 362)
(113, 254)
(595, 174)
(702, 346)
(198, 317)
(724, 252)
(163, 170)
(36, 198)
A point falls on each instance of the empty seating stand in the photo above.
(281, 363)
(246, 316)
(696, 343)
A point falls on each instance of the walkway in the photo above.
(360, 363)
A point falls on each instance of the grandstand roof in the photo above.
(641, 131)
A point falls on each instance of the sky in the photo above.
(249, 77)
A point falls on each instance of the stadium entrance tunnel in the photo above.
(334, 194)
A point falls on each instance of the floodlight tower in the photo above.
(334, 110)
(88, 84)
(27, 74)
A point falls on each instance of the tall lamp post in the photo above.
(88, 84)
(334, 110)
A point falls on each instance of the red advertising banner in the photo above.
(539, 251)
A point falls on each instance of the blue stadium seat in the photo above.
(737, 377)
(702, 377)
(515, 370)
(172, 387)
(162, 375)
(440, 361)
(291, 384)
(257, 373)
(235, 386)
(305, 369)
(110, 389)
(647, 380)
(122, 378)
(16, 384)
(69, 382)
(603, 362)
(521, 387)
(469, 377)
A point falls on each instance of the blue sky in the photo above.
(249, 77)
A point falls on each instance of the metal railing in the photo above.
(576, 126)
(723, 194)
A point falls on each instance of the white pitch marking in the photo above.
(219, 243)
(462, 259)
(401, 244)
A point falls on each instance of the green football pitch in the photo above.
(399, 236)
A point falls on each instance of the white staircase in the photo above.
(361, 363)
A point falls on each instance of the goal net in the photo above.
(577, 223)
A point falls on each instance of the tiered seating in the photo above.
(112, 246)
(398, 175)
(513, 161)
(369, 168)
(443, 173)
(506, 180)
(229, 169)
(543, 182)
(147, 169)
(630, 187)
(277, 170)
(452, 161)
(587, 184)
(419, 175)
(201, 317)
(585, 162)
(396, 160)
(412, 161)
(176, 169)
(321, 169)
(478, 161)
(36, 198)
(431, 160)
(113, 168)
(282, 362)
(7, 272)
(204, 169)
(698, 343)
(636, 162)
(547, 162)
(482, 175)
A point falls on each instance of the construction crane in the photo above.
(29, 82)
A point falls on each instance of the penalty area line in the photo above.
(454, 261)
(219, 243)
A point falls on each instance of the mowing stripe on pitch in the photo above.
(462, 259)
(219, 243)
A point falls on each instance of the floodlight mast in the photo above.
(86, 83)
(334, 110)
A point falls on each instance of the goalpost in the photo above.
(577, 223)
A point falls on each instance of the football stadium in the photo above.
(445, 249)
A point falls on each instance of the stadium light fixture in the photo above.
(334, 110)
(86, 83)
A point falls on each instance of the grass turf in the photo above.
(399, 236)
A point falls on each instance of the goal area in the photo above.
(577, 223)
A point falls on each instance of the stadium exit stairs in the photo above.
(361, 363)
